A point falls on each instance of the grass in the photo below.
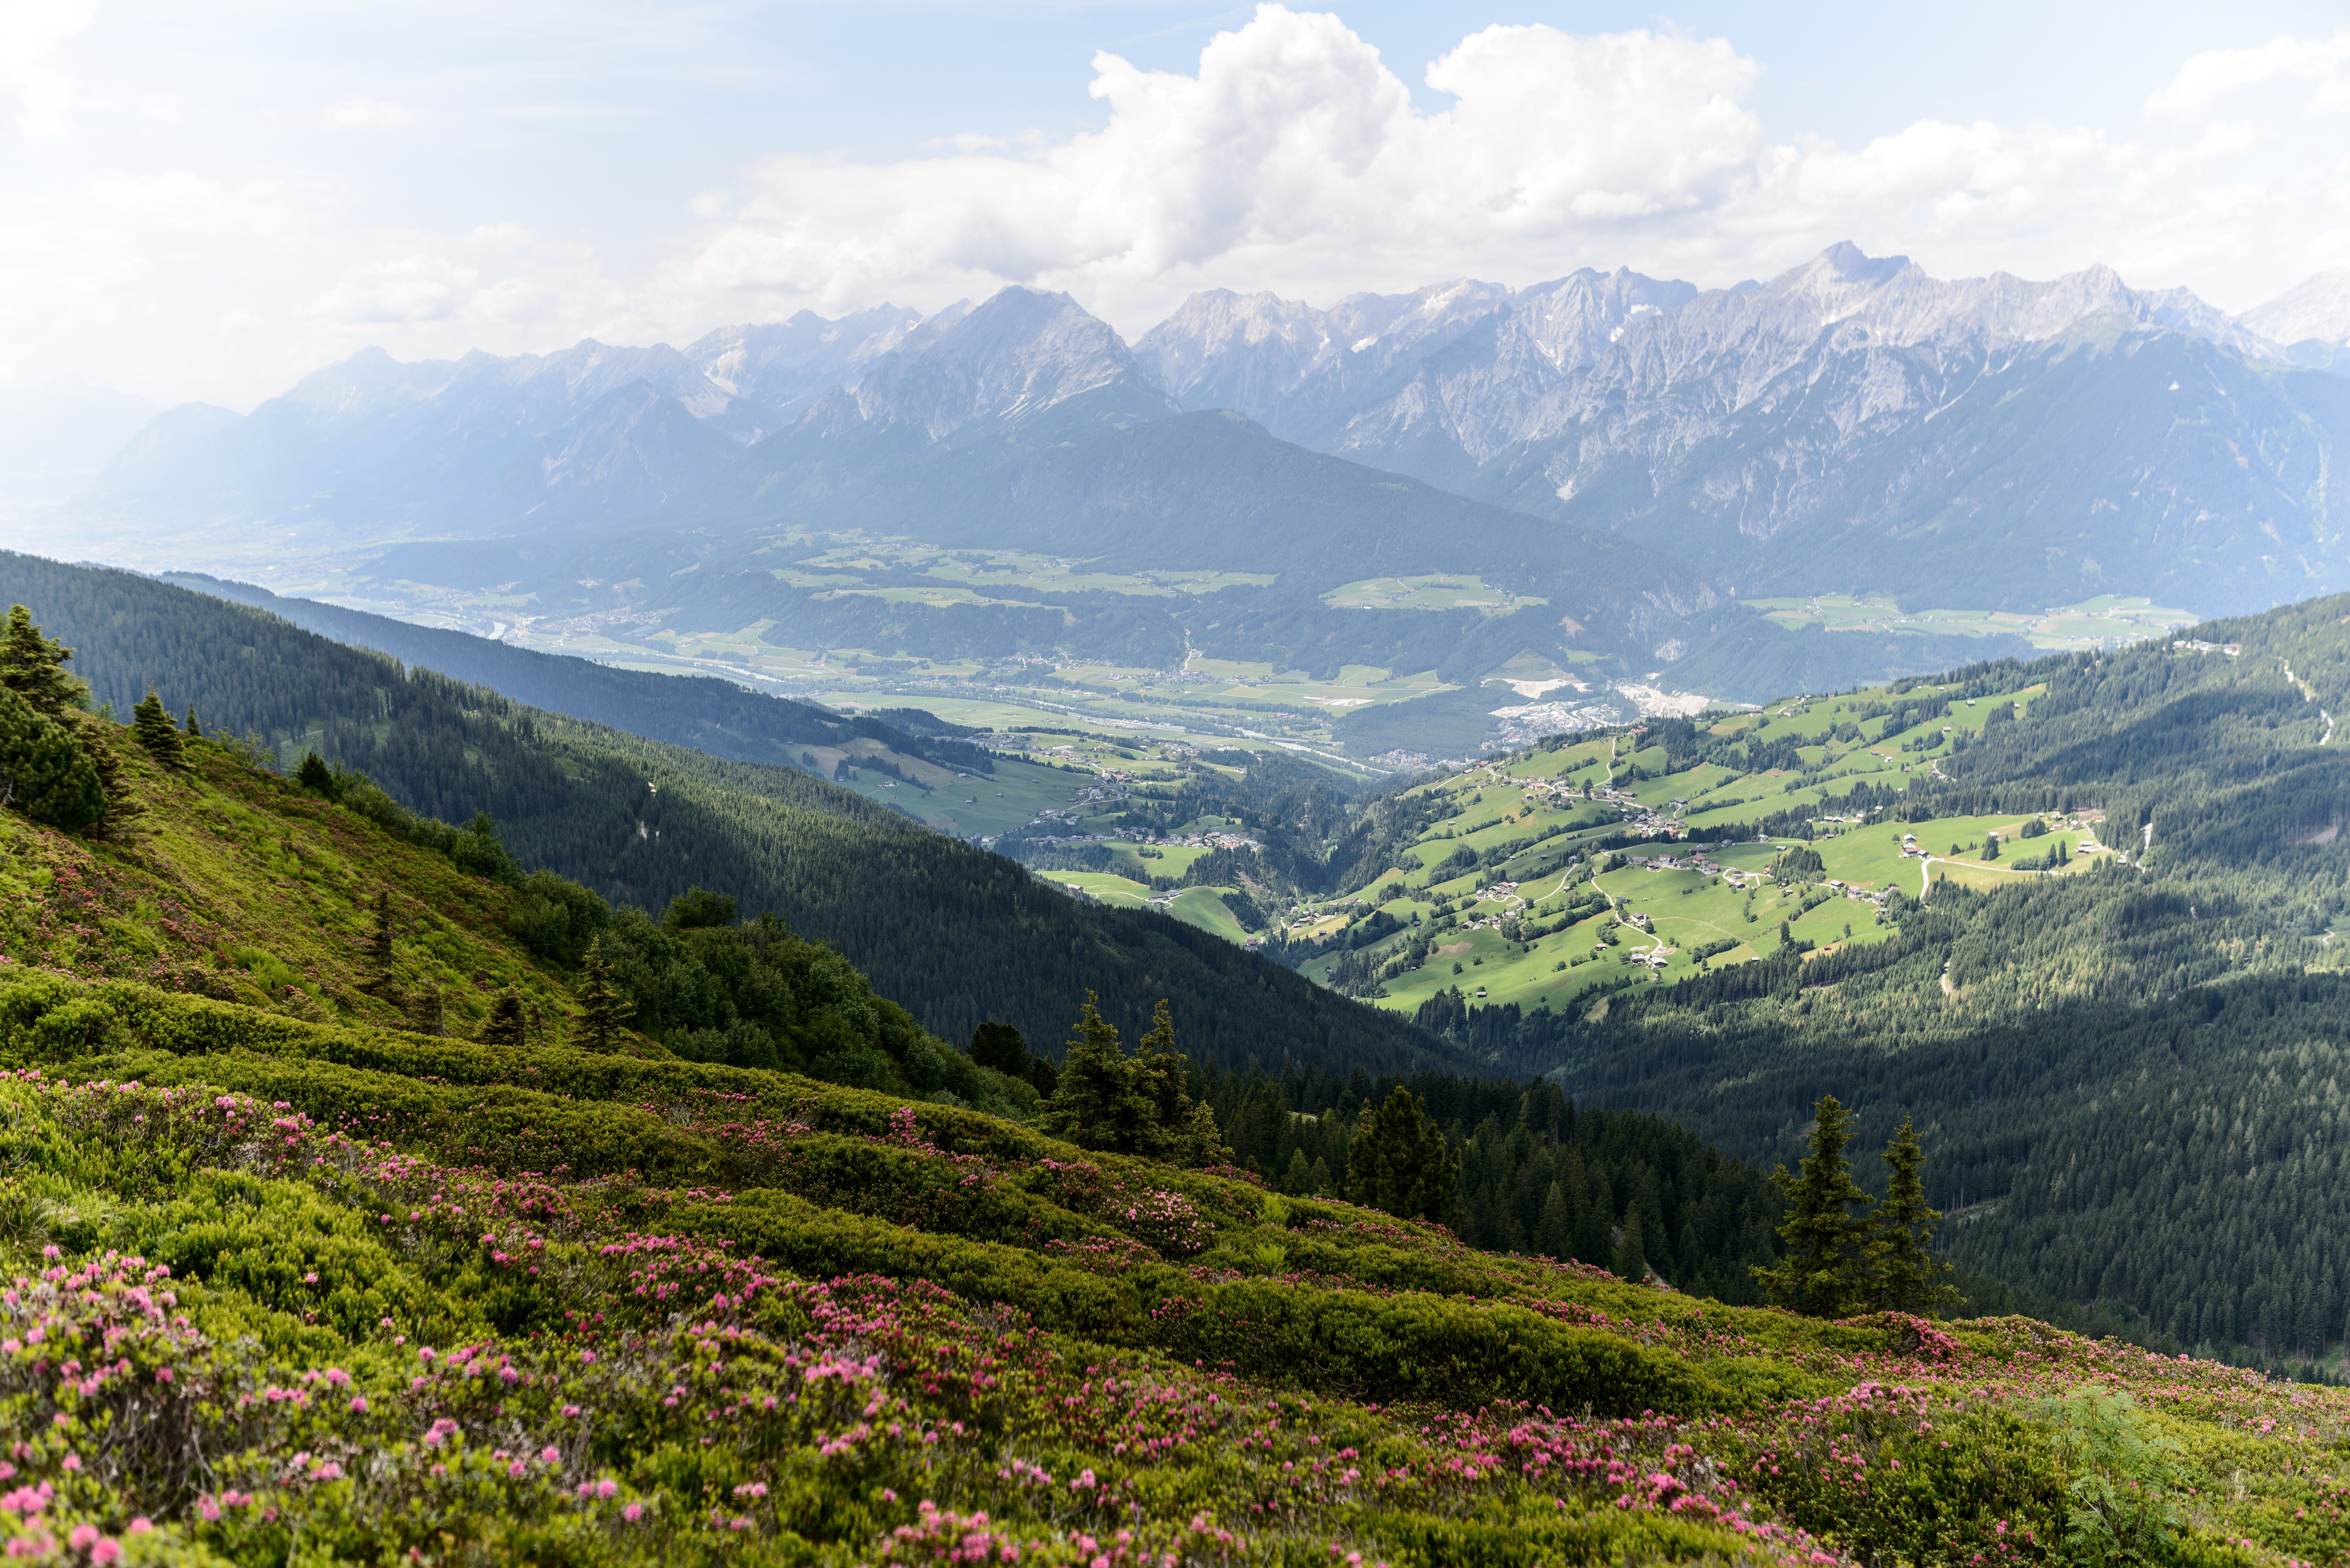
(2094, 623)
(1454, 591)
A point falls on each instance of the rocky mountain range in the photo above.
(1853, 423)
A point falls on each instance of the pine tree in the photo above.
(1298, 1180)
(1097, 1104)
(1555, 1232)
(195, 730)
(505, 1026)
(1632, 1252)
(999, 1047)
(29, 667)
(1830, 1269)
(379, 951)
(1399, 1162)
(314, 775)
(123, 809)
(604, 1012)
(44, 772)
(432, 1011)
(151, 727)
(1180, 1129)
(1911, 1276)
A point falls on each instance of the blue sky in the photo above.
(205, 200)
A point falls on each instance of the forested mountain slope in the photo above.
(2133, 1066)
(292, 1280)
(955, 933)
(705, 713)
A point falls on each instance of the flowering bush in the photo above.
(329, 1310)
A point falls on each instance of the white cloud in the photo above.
(365, 114)
(2215, 74)
(1295, 159)
(30, 34)
(410, 289)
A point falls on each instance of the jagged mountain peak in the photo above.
(2316, 310)
(1013, 355)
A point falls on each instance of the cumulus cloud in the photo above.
(1296, 159)
(407, 290)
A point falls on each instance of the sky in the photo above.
(206, 200)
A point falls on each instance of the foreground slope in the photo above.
(313, 1287)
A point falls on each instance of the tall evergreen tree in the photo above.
(43, 773)
(1831, 1266)
(29, 666)
(1399, 1162)
(195, 730)
(151, 727)
(379, 939)
(506, 1025)
(1181, 1129)
(604, 1012)
(1909, 1277)
(123, 808)
(1000, 1047)
(1097, 1104)
(1632, 1252)
(432, 1011)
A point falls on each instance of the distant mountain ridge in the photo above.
(1853, 423)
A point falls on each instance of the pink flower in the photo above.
(551, 1454)
(164, 1374)
(83, 1538)
(518, 1470)
(139, 1526)
(587, 1358)
(359, 1403)
(72, 1461)
(633, 1512)
(607, 1487)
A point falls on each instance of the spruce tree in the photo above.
(432, 1011)
(505, 1026)
(151, 727)
(1399, 1162)
(1180, 1129)
(1911, 1276)
(1831, 1266)
(195, 730)
(1632, 1252)
(44, 771)
(29, 667)
(379, 950)
(123, 809)
(605, 1013)
(1097, 1104)
(999, 1047)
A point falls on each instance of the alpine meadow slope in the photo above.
(300, 1269)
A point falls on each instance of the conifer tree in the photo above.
(195, 730)
(1097, 1104)
(123, 809)
(998, 1046)
(1181, 1129)
(43, 773)
(1632, 1252)
(151, 727)
(1831, 1266)
(505, 1026)
(604, 1012)
(1399, 1162)
(380, 940)
(432, 1011)
(1910, 1275)
(29, 667)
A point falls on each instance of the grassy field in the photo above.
(1201, 907)
(1430, 593)
(2093, 623)
(1527, 820)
